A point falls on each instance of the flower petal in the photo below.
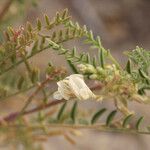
(57, 96)
(79, 88)
(73, 86)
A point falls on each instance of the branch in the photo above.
(13, 116)
(34, 94)
(29, 100)
(5, 9)
(99, 127)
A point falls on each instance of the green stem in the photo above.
(98, 127)
(114, 60)
(21, 61)
(27, 64)
(28, 57)
(17, 93)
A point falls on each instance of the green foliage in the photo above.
(60, 113)
(102, 58)
(72, 66)
(128, 66)
(73, 112)
(138, 123)
(120, 85)
(140, 57)
(97, 115)
(110, 117)
(126, 120)
(139, 68)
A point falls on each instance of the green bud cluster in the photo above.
(99, 73)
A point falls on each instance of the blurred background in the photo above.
(121, 24)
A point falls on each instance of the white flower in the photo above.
(73, 87)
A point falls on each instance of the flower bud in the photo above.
(90, 69)
(87, 68)
(93, 76)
